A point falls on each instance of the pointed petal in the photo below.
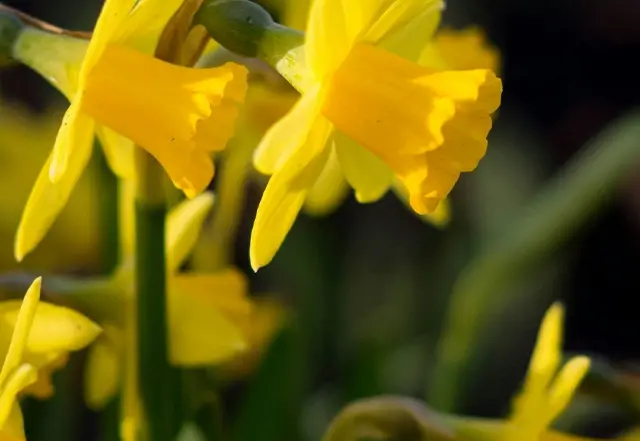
(22, 377)
(409, 41)
(402, 13)
(200, 332)
(565, 385)
(285, 194)
(47, 200)
(327, 42)
(369, 176)
(75, 135)
(118, 150)
(143, 26)
(112, 15)
(102, 374)
(54, 329)
(288, 134)
(329, 191)
(12, 429)
(22, 321)
(547, 353)
(184, 223)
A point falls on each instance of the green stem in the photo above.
(159, 381)
(553, 219)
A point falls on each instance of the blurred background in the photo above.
(369, 284)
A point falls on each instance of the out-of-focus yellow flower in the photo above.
(448, 50)
(386, 117)
(25, 140)
(267, 318)
(120, 91)
(33, 336)
(547, 391)
(204, 309)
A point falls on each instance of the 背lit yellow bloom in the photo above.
(33, 336)
(448, 50)
(385, 117)
(205, 310)
(547, 391)
(25, 142)
(118, 90)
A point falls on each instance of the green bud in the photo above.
(10, 28)
(246, 29)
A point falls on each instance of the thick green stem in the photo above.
(159, 382)
(554, 218)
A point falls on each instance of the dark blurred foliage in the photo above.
(382, 276)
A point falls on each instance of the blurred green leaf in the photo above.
(559, 210)
(268, 412)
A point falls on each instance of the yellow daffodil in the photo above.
(384, 116)
(34, 335)
(205, 310)
(546, 393)
(448, 50)
(25, 142)
(119, 90)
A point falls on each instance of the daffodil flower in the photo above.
(118, 89)
(32, 336)
(448, 50)
(547, 391)
(383, 116)
(206, 311)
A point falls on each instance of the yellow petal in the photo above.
(461, 50)
(112, 15)
(75, 135)
(184, 223)
(329, 191)
(13, 427)
(19, 379)
(327, 40)
(102, 374)
(288, 134)
(546, 356)
(200, 331)
(143, 26)
(565, 385)
(47, 365)
(285, 194)
(398, 14)
(409, 41)
(369, 176)
(54, 329)
(21, 320)
(47, 199)
(118, 150)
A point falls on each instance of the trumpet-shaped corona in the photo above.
(180, 115)
(388, 118)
